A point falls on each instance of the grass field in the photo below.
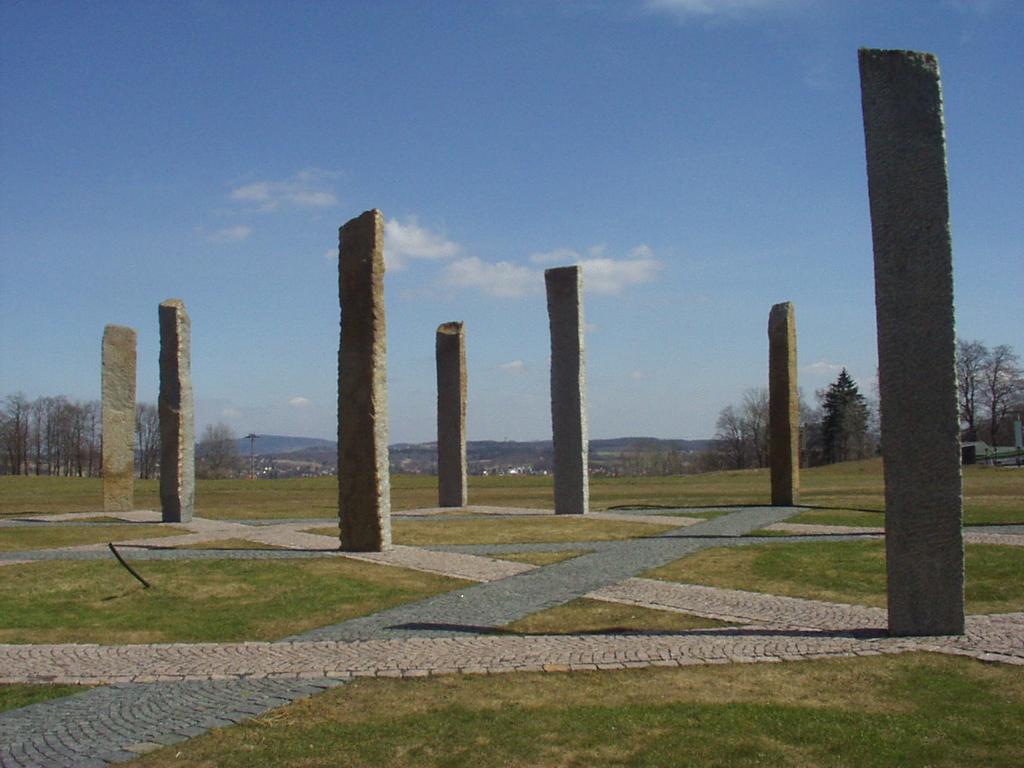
(44, 537)
(844, 572)
(98, 602)
(990, 495)
(523, 530)
(910, 710)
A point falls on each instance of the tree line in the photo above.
(841, 426)
(991, 387)
(59, 436)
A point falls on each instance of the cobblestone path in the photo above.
(152, 695)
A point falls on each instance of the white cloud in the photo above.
(822, 368)
(513, 366)
(300, 402)
(637, 375)
(305, 189)
(231, 413)
(610, 276)
(230, 234)
(403, 241)
(502, 279)
(690, 9)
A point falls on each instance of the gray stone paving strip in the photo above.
(740, 606)
(117, 723)
(996, 638)
(497, 603)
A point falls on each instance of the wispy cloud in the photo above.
(706, 9)
(408, 240)
(502, 279)
(308, 188)
(300, 402)
(822, 368)
(230, 234)
(513, 366)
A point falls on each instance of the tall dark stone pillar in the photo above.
(451, 415)
(568, 389)
(783, 406)
(906, 161)
(177, 415)
(364, 484)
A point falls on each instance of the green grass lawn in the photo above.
(15, 696)
(844, 572)
(47, 536)
(908, 710)
(198, 600)
(990, 495)
(542, 558)
(585, 616)
(502, 530)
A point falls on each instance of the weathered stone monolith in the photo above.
(177, 416)
(568, 389)
(783, 406)
(118, 416)
(364, 485)
(906, 162)
(451, 415)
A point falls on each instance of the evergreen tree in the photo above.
(844, 420)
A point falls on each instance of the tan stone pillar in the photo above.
(568, 389)
(364, 485)
(451, 415)
(783, 406)
(118, 415)
(177, 415)
(907, 186)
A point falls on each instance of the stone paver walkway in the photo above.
(161, 694)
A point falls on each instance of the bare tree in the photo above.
(731, 437)
(147, 439)
(16, 415)
(217, 452)
(754, 414)
(1002, 382)
(971, 357)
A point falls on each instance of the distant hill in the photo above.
(481, 455)
(268, 445)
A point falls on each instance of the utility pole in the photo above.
(252, 454)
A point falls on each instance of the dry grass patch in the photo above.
(230, 544)
(503, 530)
(54, 535)
(542, 558)
(198, 600)
(584, 615)
(844, 572)
(910, 710)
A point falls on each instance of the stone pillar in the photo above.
(568, 389)
(177, 415)
(364, 485)
(451, 415)
(906, 162)
(118, 384)
(783, 406)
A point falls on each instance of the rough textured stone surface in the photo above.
(783, 406)
(451, 415)
(906, 161)
(364, 485)
(177, 415)
(568, 389)
(118, 383)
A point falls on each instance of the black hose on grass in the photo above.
(145, 584)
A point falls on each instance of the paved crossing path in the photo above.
(153, 695)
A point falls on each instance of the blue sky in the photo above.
(702, 159)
